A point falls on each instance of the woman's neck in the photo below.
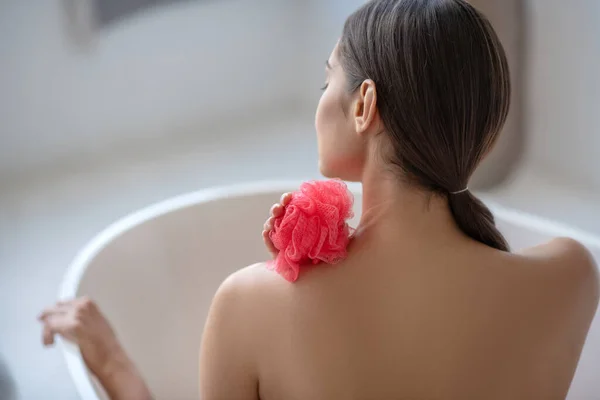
(393, 208)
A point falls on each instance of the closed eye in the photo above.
(325, 87)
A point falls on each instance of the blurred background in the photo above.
(107, 106)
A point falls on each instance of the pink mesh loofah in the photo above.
(313, 228)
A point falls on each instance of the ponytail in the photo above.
(476, 220)
(443, 94)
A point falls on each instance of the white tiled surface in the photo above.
(43, 225)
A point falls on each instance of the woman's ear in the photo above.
(365, 108)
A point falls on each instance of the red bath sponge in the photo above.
(313, 227)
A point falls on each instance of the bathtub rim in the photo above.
(76, 270)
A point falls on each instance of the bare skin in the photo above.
(417, 310)
(81, 322)
(383, 324)
(405, 317)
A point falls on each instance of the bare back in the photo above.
(463, 322)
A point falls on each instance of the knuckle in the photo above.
(87, 304)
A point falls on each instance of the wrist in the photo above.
(121, 379)
(116, 363)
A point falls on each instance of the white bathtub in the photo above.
(155, 272)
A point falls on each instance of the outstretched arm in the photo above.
(81, 322)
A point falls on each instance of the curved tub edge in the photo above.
(76, 269)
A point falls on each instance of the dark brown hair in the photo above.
(443, 93)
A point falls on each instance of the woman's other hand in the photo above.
(276, 211)
(81, 321)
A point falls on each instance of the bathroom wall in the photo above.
(160, 73)
(323, 28)
(169, 71)
(563, 90)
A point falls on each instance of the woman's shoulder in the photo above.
(254, 278)
(251, 291)
(567, 263)
(565, 254)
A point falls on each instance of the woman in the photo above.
(429, 303)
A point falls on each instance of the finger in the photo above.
(269, 224)
(61, 324)
(83, 301)
(285, 199)
(277, 210)
(47, 336)
(56, 309)
(269, 243)
(84, 306)
(273, 209)
(64, 303)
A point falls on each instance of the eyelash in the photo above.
(325, 87)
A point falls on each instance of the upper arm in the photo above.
(227, 365)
